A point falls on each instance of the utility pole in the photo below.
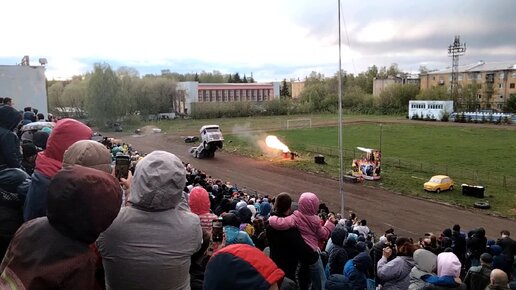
(455, 50)
(341, 149)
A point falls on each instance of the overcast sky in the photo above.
(273, 39)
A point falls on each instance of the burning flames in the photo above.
(273, 142)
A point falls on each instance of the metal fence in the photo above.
(466, 175)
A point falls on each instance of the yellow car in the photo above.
(439, 183)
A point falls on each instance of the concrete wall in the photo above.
(191, 90)
(26, 85)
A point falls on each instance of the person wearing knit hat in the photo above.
(88, 153)
(150, 243)
(477, 277)
(53, 252)
(250, 269)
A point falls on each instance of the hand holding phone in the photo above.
(122, 164)
(216, 230)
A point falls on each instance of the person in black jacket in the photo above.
(287, 247)
(10, 155)
(476, 244)
(11, 176)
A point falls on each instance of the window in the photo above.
(514, 75)
(500, 86)
(433, 78)
(480, 96)
(511, 86)
(502, 75)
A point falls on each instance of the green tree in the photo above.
(244, 80)
(196, 77)
(55, 92)
(284, 91)
(434, 93)
(236, 78)
(468, 97)
(230, 78)
(103, 94)
(395, 98)
(393, 70)
(75, 95)
(157, 95)
(251, 79)
(511, 104)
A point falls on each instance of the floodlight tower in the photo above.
(455, 50)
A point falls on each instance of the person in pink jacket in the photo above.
(305, 219)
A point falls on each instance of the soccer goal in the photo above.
(299, 123)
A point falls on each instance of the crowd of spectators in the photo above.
(67, 222)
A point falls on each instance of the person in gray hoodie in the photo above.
(395, 273)
(425, 265)
(150, 243)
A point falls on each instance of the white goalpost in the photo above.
(299, 123)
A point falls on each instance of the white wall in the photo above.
(26, 85)
(426, 108)
(191, 91)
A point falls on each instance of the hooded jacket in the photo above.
(395, 273)
(240, 266)
(10, 154)
(53, 252)
(265, 209)
(355, 271)
(448, 268)
(150, 243)
(48, 162)
(199, 202)
(338, 255)
(306, 220)
(425, 265)
(28, 117)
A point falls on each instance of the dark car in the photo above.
(191, 139)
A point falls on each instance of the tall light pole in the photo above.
(381, 133)
(341, 152)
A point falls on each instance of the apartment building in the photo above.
(496, 82)
(380, 84)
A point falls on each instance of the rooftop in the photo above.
(480, 66)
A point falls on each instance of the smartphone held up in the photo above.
(122, 165)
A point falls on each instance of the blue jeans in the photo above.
(317, 276)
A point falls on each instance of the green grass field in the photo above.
(411, 151)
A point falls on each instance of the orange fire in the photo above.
(273, 142)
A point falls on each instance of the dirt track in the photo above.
(382, 209)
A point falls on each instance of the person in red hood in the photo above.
(53, 252)
(199, 202)
(48, 162)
